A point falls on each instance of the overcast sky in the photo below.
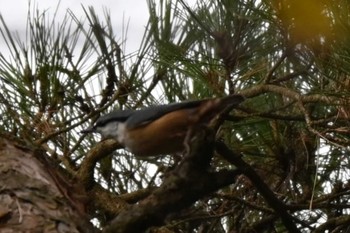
(15, 13)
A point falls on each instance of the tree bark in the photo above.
(31, 198)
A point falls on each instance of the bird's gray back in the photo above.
(149, 114)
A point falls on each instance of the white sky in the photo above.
(15, 14)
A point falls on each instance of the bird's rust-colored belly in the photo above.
(163, 136)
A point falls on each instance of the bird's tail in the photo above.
(213, 107)
(230, 100)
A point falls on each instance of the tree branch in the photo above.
(190, 181)
(85, 174)
(311, 98)
(260, 185)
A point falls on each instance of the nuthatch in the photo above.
(160, 130)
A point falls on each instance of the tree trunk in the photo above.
(31, 198)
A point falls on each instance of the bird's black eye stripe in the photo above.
(117, 116)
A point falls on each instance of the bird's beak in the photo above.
(88, 130)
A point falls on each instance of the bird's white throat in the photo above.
(114, 130)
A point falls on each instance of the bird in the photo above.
(160, 129)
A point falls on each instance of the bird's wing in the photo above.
(149, 114)
(136, 118)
